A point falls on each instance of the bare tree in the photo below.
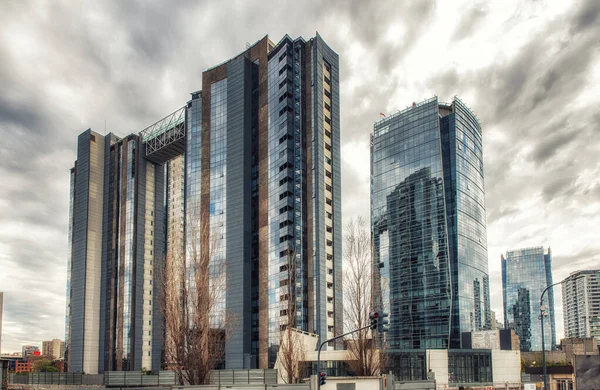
(193, 303)
(362, 355)
(292, 356)
(292, 351)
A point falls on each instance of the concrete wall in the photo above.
(506, 366)
(309, 343)
(360, 383)
(437, 362)
(578, 346)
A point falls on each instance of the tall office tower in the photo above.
(247, 174)
(581, 304)
(525, 275)
(54, 348)
(428, 225)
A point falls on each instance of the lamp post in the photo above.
(542, 315)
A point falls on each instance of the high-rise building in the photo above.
(581, 304)
(525, 275)
(493, 320)
(428, 225)
(248, 170)
(54, 348)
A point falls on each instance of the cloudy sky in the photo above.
(528, 69)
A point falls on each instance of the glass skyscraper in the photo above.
(525, 275)
(253, 158)
(428, 225)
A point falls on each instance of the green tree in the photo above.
(41, 365)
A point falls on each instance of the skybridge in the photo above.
(165, 139)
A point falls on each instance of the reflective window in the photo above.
(525, 275)
(218, 198)
(428, 225)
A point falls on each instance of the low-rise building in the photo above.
(573, 346)
(22, 366)
(497, 361)
(561, 377)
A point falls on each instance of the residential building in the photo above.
(581, 304)
(525, 275)
(495, 323)
(247, 171)
(559, 376)
(54, 348)
(493, 320)
(428, 225)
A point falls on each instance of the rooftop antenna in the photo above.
(104, 126)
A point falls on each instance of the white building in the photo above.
(581, 304)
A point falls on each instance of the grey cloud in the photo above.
(526, 99)
(359, 123)
(557, 136)
(560, 185)
(369, 24)
(572, 63)
(447, 83)
(496, 214)
(586, 16)
(469, 22)
(19, 113)
(586, 258)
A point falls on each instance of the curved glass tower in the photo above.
(428, 225)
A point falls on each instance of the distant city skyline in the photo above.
(529, 70)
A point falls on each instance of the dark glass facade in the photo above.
(469, 367)
(525, 275)
(428, 225)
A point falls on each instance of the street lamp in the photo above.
(542, 315)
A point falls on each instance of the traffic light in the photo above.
(381, 324)
(374, 317)
(322, 378)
